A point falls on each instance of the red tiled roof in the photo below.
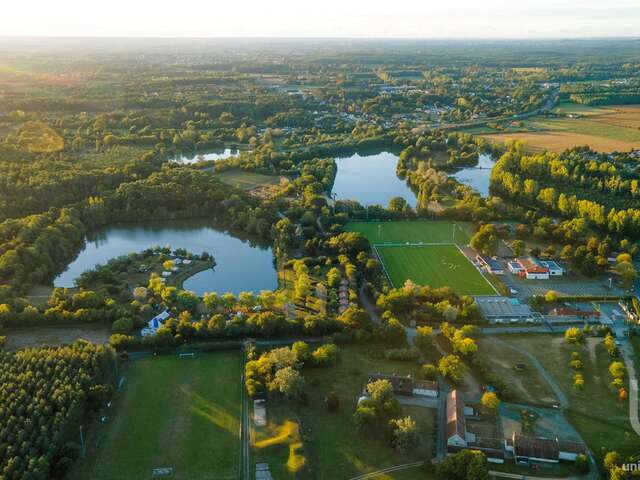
(455, 415)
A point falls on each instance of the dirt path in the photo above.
(557, 391)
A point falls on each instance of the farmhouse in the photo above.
(456, 425)
(531, 449)
(407, 385)
(498, 309)
(491, 265)
(544, 450)
(529, 268)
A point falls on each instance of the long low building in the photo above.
(497, 309)
(407, 384)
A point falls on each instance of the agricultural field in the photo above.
(246, 180)
(432, 231)
(40, 138)
(434, 265)
(595, 412)
(307, 436)
(604, 129)
(176, 413)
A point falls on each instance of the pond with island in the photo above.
(371, 179)
(242, 264)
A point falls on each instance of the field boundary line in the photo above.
(479, 271)
(384, 268)
(413, 244)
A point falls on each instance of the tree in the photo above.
(288, 382)
(354, 317)
(628, 273)
(332, 402)
(518, 247)
(574, 336)
(301, 351)
(611, 460)
(380, 391)
(405, 434)
(464, 465)
(364, 417)
(424, 339)
(325, 354)
(485, 240)
(617, 370)
(428, 371)
(452, 367)
(551, 296)
(490, 401)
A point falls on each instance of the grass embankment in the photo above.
(171, 412)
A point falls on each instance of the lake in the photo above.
(241, 265)
(370, 179)
(195, 157)
(477, 177)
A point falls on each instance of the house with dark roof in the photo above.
(407, 385)
(531, 449)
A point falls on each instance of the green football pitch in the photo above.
(434, 265)
(429, 231)
(178, 413)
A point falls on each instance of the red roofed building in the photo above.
(456, 425)
(529, 268)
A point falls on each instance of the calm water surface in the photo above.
(477, 177)
(370, 179)
(195, 157)
(242, 265)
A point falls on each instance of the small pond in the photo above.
(242, 264)
(477, 177)
(370, 179)
(215, 155)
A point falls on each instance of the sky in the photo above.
(322, 18)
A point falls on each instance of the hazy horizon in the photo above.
(358, 19)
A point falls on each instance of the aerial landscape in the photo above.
(311, 245)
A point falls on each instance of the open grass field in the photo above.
(605, 129)
(434, 265)
(430, 231)
(171, 412)
(594, 412)
(38, 137)
(246, 180)
(331, 448)
(526, 385)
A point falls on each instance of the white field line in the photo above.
(384, 268)
(376, 245)
(480, 271)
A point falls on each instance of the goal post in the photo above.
(187, 355)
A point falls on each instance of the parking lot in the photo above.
(565, 286)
